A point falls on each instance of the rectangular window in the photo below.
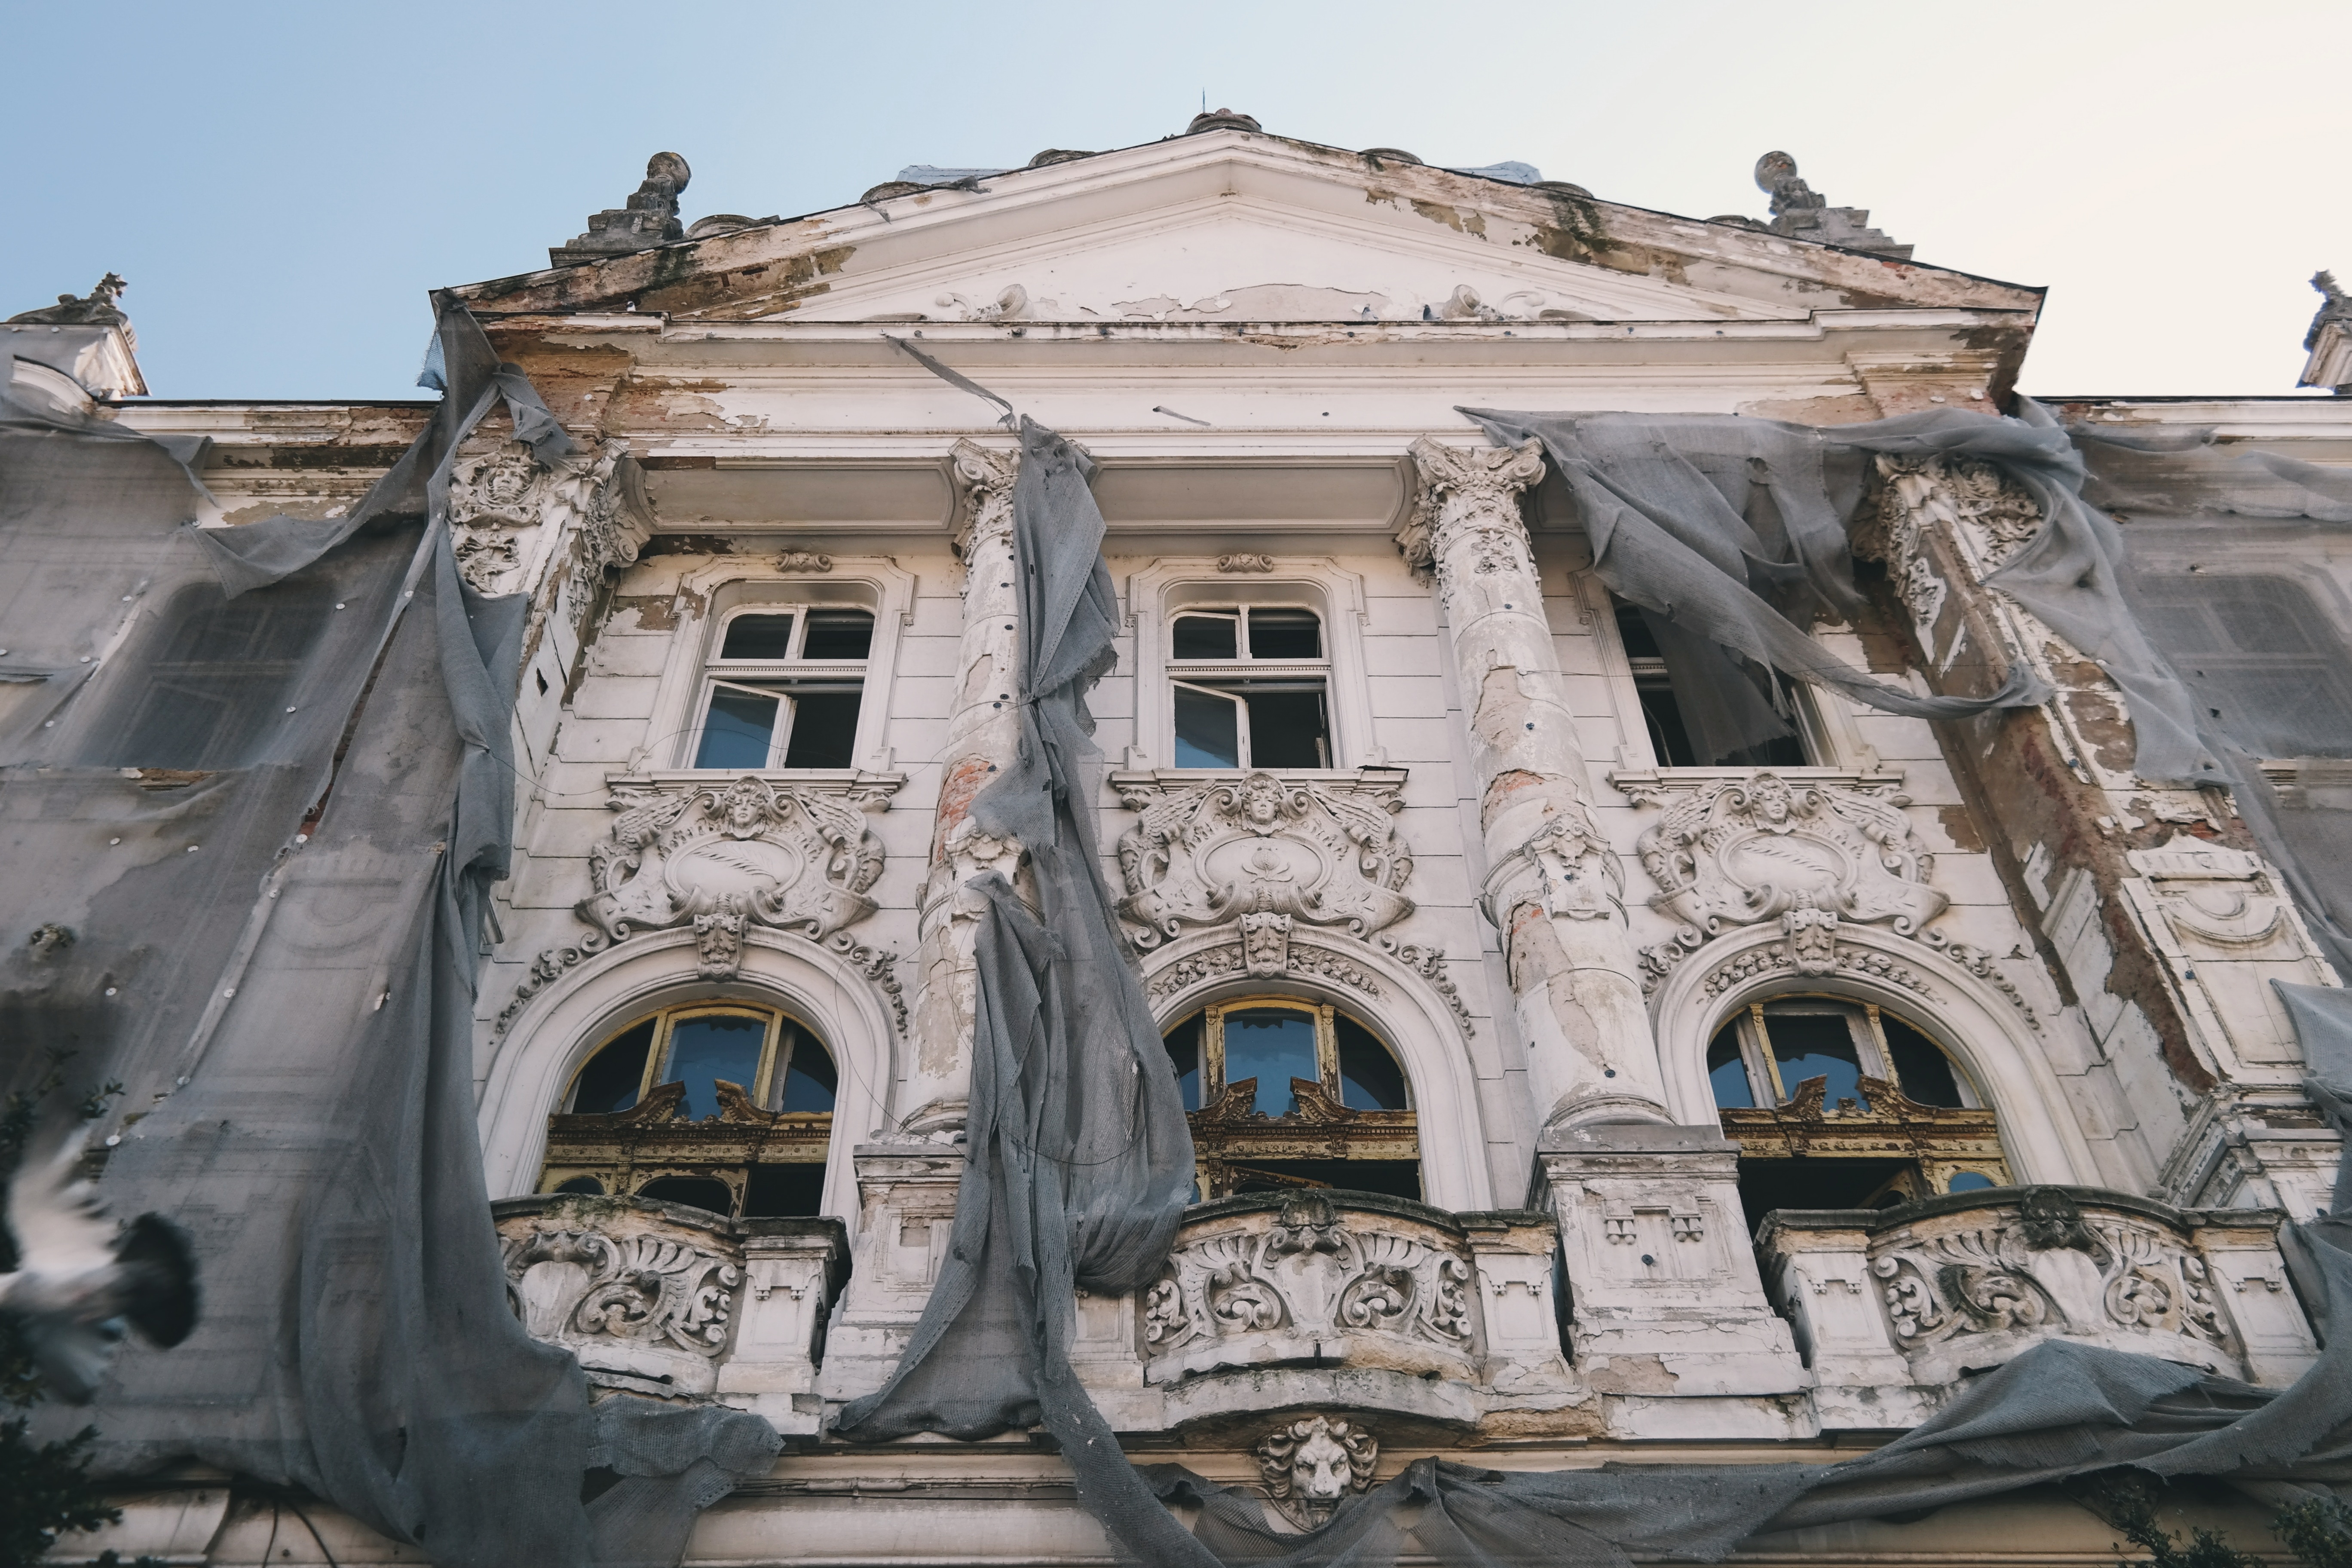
(785, 691)
(1706, 707)
(1250, 688)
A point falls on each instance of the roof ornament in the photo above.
(649, 219)
(96, 309)
(2329, 341)
(1222, 120)
(1801, 212)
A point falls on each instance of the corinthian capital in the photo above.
(1463, 484)
(983, 482)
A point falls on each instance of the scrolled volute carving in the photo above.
(1736, 852)
(1214, 854)
(1470, 492)
(633, 1296)
(719, 856)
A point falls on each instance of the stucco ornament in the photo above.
(494, 499)
(1314, 1464)
(502, 502)
(1261, 852)
(724, 855)
(1471, 494)
(1736, 852)
(633, 1299)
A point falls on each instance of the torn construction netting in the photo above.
(1079, 1159)
(293, 1021)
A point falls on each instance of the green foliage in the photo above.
(2318, 1531)
(2126, 1498)
(45, 1489)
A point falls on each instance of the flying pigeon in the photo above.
(77, 1282)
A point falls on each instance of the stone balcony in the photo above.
(1891, 1307)
(664, 1300)
(1333, 1298)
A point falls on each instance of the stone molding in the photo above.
(509, 513)
(1275, 850)
(1966, 1281)
(659, 1299)
(716, 857)
(1471, 492)
(1312, 1465)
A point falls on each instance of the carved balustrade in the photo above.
(1375, 1301)
(661, 1298)
(1892, 1306)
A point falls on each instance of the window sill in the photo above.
(1648, 786)
(866, 790)
(1381, 780)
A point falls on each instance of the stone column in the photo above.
(1555, 888)
(983, 735)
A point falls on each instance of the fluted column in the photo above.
(983, 735)
(1554, 888)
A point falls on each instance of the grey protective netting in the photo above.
(293, 1020)
(1729, 528)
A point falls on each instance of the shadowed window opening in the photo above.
(1250, 688)
(786, 691)
(1285, 1092)
(725, 1106)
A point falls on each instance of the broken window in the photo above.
(785, 689)
(1705, 706)
(1251, 688)
(1285, 1092)
(723, 1106)
(1842, 1104)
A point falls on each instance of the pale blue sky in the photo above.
(281, 184)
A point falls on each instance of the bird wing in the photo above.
(155, 1283)
(57, 1220)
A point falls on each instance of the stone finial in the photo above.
(96, 309)
(2329, 341)
(650, 218)
(1802, 213)
(1311, 1466)
(1222, 120)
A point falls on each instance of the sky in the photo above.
(282, 184)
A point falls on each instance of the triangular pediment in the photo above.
(1233, 227)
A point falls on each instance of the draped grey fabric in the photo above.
(1078, 1156)
(291, 1013)
(1734, 529)
(667, 1462)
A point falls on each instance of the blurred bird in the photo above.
(77, 1282)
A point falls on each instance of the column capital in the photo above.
(983, 483)
(1463, 484)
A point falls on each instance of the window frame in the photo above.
(1327, 1045)
(1631, 677)
(1246, 672)
(1169, 586)
(705, 599)
(1865, 1027)
(786, 680)
(776, 1046)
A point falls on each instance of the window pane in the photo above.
(1727, 1072)
(586, 1186)
(1285, 634)
(1207, 636)
(1288, 729)
(1208, 730)
(758, 637)
(1924, 1071)
(1272, 1045)
(1183, 1043)
(738, 730)
(694, 1192)
(707, 1047)
(1969, 1182)
(609, 1082)
(1369, 1078)
(809, 1082)
(824, 729)
(1816, 1045)
(838, 634)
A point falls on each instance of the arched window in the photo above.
(1285, 1092)
(1842, 1104)
(725, 1106)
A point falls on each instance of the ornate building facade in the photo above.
(1584, 1065)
